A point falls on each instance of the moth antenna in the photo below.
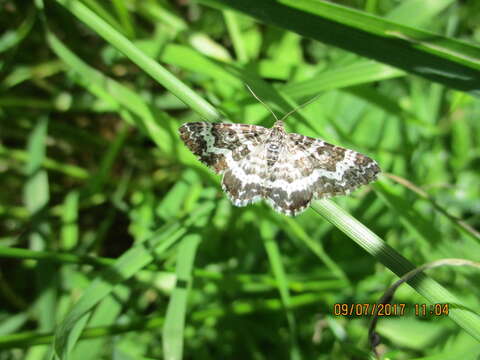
(260, 101)
(300, 106)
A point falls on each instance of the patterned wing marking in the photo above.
(335, 170)
(244, 181)
(287, 191)
(309, 168)
(302, 169)
(218, 145)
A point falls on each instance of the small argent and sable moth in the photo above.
(288, 170)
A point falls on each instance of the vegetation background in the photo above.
(116, 243)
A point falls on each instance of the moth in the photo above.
(287, 170)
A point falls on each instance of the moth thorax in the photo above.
(273, 146)
(277, 133)
(273, 150)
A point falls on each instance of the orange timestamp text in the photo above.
(368, 309)
(344, 309)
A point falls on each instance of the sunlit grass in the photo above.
(109, 225)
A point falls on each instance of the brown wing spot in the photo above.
(290, 203)
(332, 154)
(231, 184)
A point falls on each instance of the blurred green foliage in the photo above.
(109, 225)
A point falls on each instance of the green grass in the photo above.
(116, 242)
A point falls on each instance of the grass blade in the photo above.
(465, 317)
(173, 329)
(444, 60)
(147, 64)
